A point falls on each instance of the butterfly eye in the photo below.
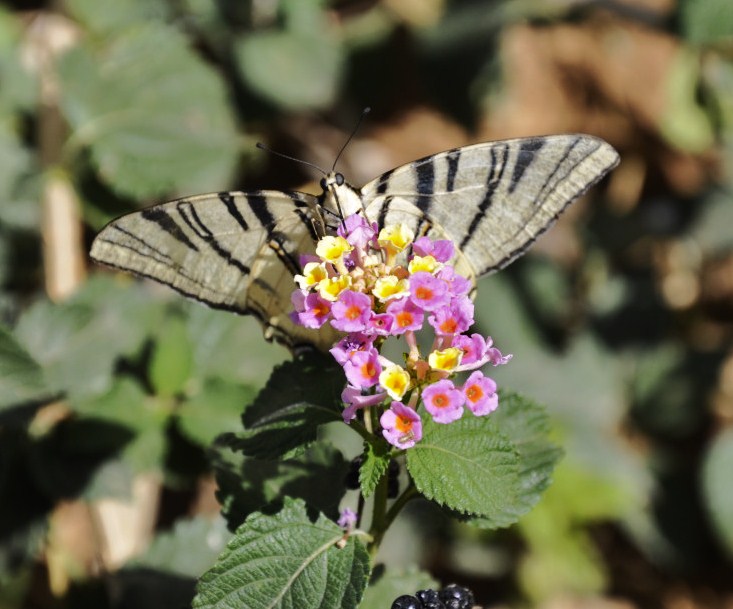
(339, 179)
(324, 184)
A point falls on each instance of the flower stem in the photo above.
(379, 511)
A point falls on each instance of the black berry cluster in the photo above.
(450, 597)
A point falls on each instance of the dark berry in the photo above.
(393, 488)
(430, 599)
(406, 601)
(352, 476)
(427, 596)
(456, 597)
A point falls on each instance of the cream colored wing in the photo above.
(231, 250)
(493, 200)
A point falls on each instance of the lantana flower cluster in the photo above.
(372, 285)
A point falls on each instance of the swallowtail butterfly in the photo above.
(240, 250)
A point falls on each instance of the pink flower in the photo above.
(347, 519)
(363, 369)
(311, 311)
(401, 426)
(480, 393)
(351, 311)
(350, 344)
(442, 250)
(357, 231)
(406, 314)
(428, 292)
(473, 348)
(380, 324)
(443, 401)
(355, 399)
(493, 354)
(453, 319)
(458, 285)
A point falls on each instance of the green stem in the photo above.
(379, 512)
(383, 518)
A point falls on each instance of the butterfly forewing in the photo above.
(232, 251)
(493, 200)
(240, 251)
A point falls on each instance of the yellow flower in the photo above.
(395, 238)
(389, 287)
(446, 360)
(331, 287)
(332, 249)
(423, 263)
(395, 380)
(313, 273)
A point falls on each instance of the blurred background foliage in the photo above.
(620, 319)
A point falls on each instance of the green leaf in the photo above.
(231, 347)
(718, 491)
(526, 425)
(21, 377)
(247, 485)
(126, 404)
(189, 549)
(171, 360)
(393, 583)
(213, 409)
(275, 65)
(299, 397)
(468, 466)
(154, 115)
(376, 461)
(707, 21)
(78, 342)
(286, 561)
(109, 16)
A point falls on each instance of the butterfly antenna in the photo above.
(364, 112)
(261, 146)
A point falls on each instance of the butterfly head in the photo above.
(339, 196)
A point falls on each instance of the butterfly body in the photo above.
(240, 251)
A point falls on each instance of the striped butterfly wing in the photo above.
(493, 200)
(234, 251)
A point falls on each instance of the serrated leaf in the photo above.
(718, 491)
(527, 426)
(286, 561)
(247, 485)
(275, 66)
(467, 466)
(376, 461)
(171, 360)
(393, 583)
(153, 114)
(299, 397)
(21, 377)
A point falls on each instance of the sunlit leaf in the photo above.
(286, 561)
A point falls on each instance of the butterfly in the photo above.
(240, 251)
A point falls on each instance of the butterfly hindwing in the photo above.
(230, 250)
(493, 200)
(240, 251)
